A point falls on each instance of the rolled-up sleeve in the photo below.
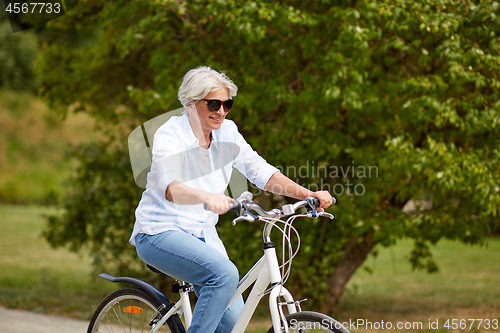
(251, 164)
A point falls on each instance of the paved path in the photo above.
(18, 321)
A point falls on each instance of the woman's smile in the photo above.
(217, 120)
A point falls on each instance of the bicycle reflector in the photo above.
(133, 309)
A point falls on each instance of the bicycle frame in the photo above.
(266, 271)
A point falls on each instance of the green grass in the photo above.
(35, 277)
(466, 286)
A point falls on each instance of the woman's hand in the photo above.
(325, 199)
(218, 203)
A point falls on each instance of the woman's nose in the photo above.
(221, 109)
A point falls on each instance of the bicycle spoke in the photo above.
(106, 326)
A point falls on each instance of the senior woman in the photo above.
(173, 232)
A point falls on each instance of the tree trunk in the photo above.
(352, 258)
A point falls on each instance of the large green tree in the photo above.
(381, 102)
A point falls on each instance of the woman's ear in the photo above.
(190, 108)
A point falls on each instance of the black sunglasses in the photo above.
(214, 104)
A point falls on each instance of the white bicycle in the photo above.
(145, 309)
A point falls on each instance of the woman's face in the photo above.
(212, 120)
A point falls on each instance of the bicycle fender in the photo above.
(146, 287)
(151, 291)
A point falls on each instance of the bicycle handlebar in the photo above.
(244, 204)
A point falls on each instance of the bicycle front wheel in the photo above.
(311, 322)
(130, 310)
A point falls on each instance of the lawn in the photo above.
(387, 290)
(35, 277)
(466, 287)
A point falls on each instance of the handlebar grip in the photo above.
(315, 201)
(233, 207)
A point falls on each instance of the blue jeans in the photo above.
(214, 277)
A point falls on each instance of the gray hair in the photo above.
(199, 81)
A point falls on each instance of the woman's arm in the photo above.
(282, 185)
(182, 194)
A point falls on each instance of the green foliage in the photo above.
(33, 148)
(17, 52)
(101, 210)
(33, 144)
(405, 89)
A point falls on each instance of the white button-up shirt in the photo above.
(177, 156)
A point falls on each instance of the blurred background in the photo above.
(391, 105)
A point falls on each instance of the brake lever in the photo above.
(330, 216)
(243, 218)
(245, 214)
(312, 212)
